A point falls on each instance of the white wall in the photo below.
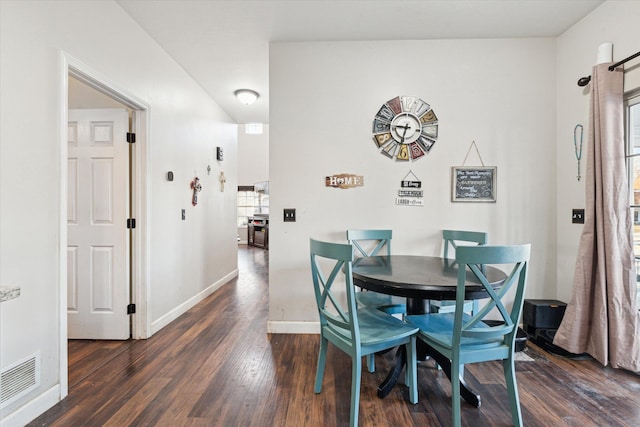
(184, 258)
(253, 156)
(615, 22)
(500, 93)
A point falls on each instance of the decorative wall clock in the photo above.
(405, 128)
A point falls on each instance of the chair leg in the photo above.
(412, 368)
(512, 390)
(322, 358)
(371, 362)
(476, 307)
(455, 392)
(356, 372)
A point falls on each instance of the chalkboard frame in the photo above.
(457, 196)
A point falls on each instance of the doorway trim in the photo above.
(140, 201)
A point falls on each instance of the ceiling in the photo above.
(224, 44)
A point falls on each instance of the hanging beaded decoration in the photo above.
(577, 149)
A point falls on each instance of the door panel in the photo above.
(97, 255)
(72, 279)
(102, 287)
(72, 191)
(102, 191)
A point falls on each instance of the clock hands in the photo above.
(404, 132)
(405, 127)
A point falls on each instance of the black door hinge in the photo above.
(131, 137)
(131, 309)
(131, 223)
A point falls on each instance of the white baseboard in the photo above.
(32, 409)
(288, 327)
(185, 306)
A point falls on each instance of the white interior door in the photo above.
(97, 252)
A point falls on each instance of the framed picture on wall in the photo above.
(473, 183)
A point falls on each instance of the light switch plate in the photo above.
(577, 216)
(289, 215)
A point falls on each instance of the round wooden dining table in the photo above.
(421, 279)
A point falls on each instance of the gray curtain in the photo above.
(602, 318)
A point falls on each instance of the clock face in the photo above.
(405, 128)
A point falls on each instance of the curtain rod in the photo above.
(583, 81)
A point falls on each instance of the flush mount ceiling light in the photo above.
(246, 96)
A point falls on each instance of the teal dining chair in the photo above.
(451, 239)
(356, 331)
(464, 338)
(371, 243)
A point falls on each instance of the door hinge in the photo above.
(131, 137)
(131, 309)
(131, 223)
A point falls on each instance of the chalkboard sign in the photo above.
(473, 184)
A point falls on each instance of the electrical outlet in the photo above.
(577, 217)
(289, 215)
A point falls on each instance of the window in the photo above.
(247, 202)
(632, 135)
(250, 203)
(253, 128)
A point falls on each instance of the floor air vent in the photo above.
(19, 379)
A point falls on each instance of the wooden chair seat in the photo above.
(440, 327)
(388, 303)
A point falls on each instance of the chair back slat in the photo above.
(370, 242)
(336, 258)
(453, 237)
(474, 258)
(327, 294)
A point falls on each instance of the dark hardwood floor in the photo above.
(217, 366)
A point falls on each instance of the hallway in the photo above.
(217, 366)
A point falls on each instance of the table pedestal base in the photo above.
(392, 377)
(401, 360)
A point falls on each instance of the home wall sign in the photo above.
(344, 180)
(405, 128)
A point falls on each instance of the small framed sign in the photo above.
(473, 184)
(410, 193)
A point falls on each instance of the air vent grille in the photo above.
(19, 379)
